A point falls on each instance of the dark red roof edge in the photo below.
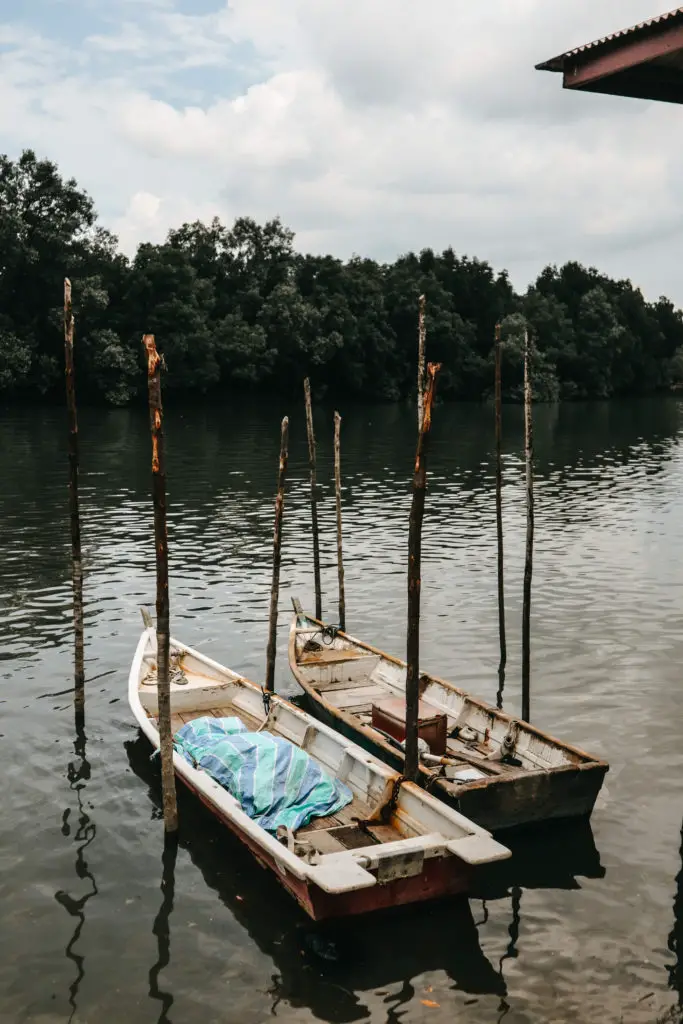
(612, 41)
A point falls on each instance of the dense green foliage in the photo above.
(240, 308)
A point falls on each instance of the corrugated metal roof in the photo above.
(557, 63)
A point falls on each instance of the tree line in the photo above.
(238, 308)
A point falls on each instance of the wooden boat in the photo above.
(493, 768)
(385, 951)
(393, 844)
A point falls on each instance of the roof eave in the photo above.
(554, 64)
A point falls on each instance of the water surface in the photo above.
(98, 925)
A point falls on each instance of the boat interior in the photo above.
(200, 687)
(477, 742)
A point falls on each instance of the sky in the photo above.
(369, 126)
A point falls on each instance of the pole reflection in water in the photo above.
(161, 928)
(402, 998)
(511, 953)
(485, 914)
(78, 774)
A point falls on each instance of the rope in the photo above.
(328, 634)
(266, 695)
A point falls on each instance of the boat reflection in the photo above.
(322, 967)
(554, 855)
(326, 967)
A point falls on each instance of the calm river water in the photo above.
(586, 926)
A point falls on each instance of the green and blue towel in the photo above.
(275, 782)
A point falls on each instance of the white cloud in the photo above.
(371, 126)
(146, 217)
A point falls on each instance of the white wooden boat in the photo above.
(497, 770)
(393, 844)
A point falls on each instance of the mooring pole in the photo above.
(529, 559)
(499, 516)
(74, 515)
(337, 488)
(414, 581)
(161, 545)
(314, 500)
(421, 350)
(277, 551)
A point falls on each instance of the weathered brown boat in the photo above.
(493, 768)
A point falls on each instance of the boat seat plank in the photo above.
(323, 841)
(384, 833)
(355, 695)
(329, 685)
(331, 656)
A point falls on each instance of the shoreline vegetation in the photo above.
(238, 309)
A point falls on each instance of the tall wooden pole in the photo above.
(314, 500)
(414, 581)
(337, 488)
(499, 516)
(74, 516)
(529, 560)
(277, 550)
(421, 350)
(161, 544)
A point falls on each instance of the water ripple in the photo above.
(103, 928)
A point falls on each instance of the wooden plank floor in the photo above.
(179, 719)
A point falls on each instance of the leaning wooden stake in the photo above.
(337, 488)
(414, 582)
(499, 517)
(277, 550)
(74, 517)
(421, 349)
(161, 544)
(528, 563)
(314, 500)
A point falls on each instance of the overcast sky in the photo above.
(369, 126)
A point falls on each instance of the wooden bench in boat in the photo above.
(330, 656)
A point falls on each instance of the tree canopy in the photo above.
(239, 308)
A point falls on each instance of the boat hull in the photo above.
(440, 877)
(496, 805)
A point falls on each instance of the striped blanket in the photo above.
(275, 782)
